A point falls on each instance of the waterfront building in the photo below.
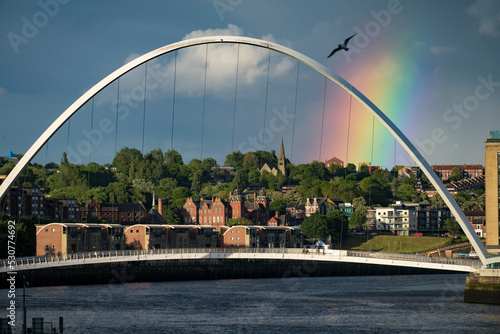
(397, 219)
(113, 237)
(262, 237)
(145, 236)
(407, 218)
(57, 239)
(492, 194)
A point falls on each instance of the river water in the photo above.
(368, 304)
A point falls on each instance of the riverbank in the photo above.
(483, 288)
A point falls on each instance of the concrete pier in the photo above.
(483, 287)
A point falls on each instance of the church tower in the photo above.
(282, 159)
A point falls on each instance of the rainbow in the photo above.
(395, 84)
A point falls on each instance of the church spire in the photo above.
(282, 159)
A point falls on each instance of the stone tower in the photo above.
(282, 159)
(492, 194)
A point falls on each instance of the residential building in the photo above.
(477, 218)
(321, 205)
(408, 218)
(371, 168)
(262, 237)
(241, 236)
(492, 194)
(147, 236)
(277, 220)
(120, 213)
(347, 209)
(296, 212)
(58, 240)
(213, 212)
(466, 171)
(113, 237)
(203, 236)
(334, 161)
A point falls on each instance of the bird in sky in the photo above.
(342, 46)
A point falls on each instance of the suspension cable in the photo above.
(235, 94)
(295, 108)
(322, 121)
(117, 106)
(144, 109)
(67, 140)
(348, 131)
(173, 103)
(90, 140)
(267, 93)
(204, 98)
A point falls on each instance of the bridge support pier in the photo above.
(483, 288)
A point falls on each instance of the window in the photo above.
(232, 238)
(237, 238)
(53, 230)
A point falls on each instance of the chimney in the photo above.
(277, 214)
(160, 207)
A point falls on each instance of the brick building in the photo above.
(215, 212)
(262, 237)
(466, 171)
(31, 202)
(121, 213)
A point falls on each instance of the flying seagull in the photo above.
(342, 46)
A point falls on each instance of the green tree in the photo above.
(238, 221)
(406, 192)
(358, 218)
(125, 158)
(277, 205)
(455, 175)
(453, 227)
(316, 226)
(337, 223)
(234, 159)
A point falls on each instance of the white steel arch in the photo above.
(401, 138)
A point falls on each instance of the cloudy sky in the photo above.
(431, 66)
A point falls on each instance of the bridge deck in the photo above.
(403, 260)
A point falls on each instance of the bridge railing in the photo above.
(160, 253)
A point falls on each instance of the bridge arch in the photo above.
(389, 125)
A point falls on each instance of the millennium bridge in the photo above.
(345, 256)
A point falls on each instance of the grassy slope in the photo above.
(393, 244)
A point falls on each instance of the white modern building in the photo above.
(398, 219)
